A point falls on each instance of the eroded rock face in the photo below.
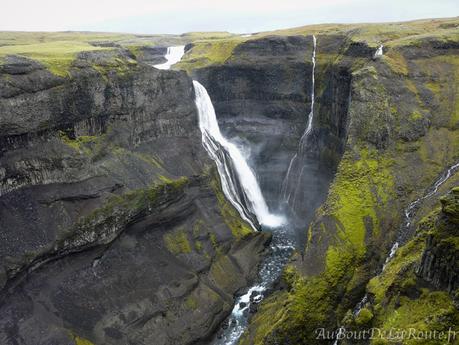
(112, 228)
(439, 264)
(262, 97)
(401, 135)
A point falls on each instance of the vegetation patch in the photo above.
(177, 242)
(57, 56)
(191, 303)
(104, 223)
(239, 228)
(205, 53)
(81, 341)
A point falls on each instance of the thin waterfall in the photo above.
(410, 211)
(285, 194)
(409, 214)
(238, 180)
(173, 55)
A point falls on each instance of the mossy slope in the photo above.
(402, 134)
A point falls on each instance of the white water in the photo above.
(409, 214)
(311, 113)
(410, 211)
(271, 269)
(306, 133)
(379, 52)
(214, 142)
(234, 171)
(173, 55)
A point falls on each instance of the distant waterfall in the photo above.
(173, 55)
(238, 180)
(409, 213)
(285, 193)
(379, 52)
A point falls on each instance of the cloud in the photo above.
(175, 16)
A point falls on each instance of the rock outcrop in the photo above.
(440, 260)
(114, 228)
(262, 96)
(399, 133)
(418, 288)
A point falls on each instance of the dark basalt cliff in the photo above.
(418, 287)
(262, 95)
(114, 228)
(439, 263)
(384, 130)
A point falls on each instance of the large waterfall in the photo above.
(296, 161)
(238, 180)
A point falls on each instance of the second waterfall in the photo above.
(238, 180)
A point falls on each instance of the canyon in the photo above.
(118, 226)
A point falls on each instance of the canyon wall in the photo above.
(114, 228)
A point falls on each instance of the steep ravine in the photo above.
(402, 133)
(253, 103)
(262, 95)
(397, 132)
(114, 227)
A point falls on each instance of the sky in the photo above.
(238, 16)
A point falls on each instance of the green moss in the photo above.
(364, 318)
(239, 228)
(81, 341)
(208, 52)
(85, 144)
(57, 56)
(120, 65)
(270, 316)
(105, 147)
(405, 258)
(361, 210)
(434, 87)
(191, 303)
(412, 87)
(198, 246)
(361, 185)
(396, 62)
(148, 158)
(432, 311)
(442, 74)
(415, 115)
(198, 228)
(224, 273)
(177, 242)
(214, 242)
(119, 210)
(399, 300)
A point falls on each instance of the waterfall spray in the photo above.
(238, 180)
(286, 195)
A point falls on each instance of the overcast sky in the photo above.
(175, 16)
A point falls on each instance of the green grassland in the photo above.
(207, 51)
(57, 50)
